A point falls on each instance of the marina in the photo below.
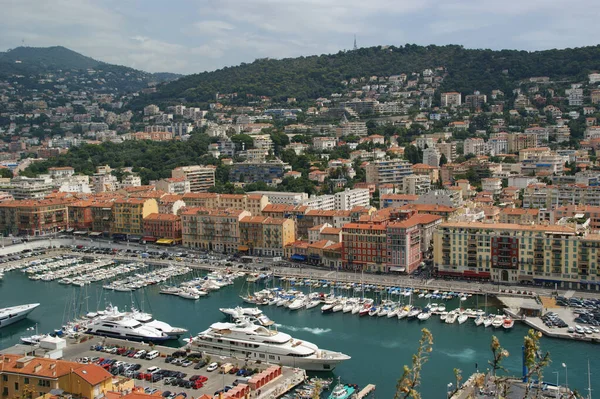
(389, 340)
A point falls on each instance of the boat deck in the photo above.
(365, 391)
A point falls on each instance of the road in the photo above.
(303, 272)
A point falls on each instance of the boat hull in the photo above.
(19, 313)
(131, 338)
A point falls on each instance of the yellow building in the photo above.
(253, 203)
(212, 229)
(266, 236)
(27, 376)
(547, 254)
(129, 215)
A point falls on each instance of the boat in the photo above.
(298, 303)
(498, 321)
(424, 316)
(147, 320)
(339, 306)
(451, 317)
(342, 391)
(365, 310)
(462, 317)
(443, 315)
(258, 342)
(479, 320)
(414, 312)
(125, 328)
(313, 303)
(13, 314)
(441, 308)
(404, 312)
(488, 321)
(328, 307)
(508, 323)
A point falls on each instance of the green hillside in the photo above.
(314, 76)
(31, 61)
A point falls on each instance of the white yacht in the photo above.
(149, 321)
(13, 314)
(125, 328)
(250, 341)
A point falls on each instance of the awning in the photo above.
(70, 230)
(243, 248)
(315, 256)
(135, 238)
(164, 241)
(299, 257)
(80, 233)
(525, 277)
(448, 273)
(397, 269)
(149, 239)
(95, 234)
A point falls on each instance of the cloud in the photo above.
(189, 36)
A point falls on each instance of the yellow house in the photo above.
(129, 214)
(28, 376)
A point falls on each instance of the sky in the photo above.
(190, 36)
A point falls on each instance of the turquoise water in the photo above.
(379, 346)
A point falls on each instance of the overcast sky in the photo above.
(188, 36)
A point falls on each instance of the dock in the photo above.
(365, 391)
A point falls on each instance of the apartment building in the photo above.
(252, 172)
(129, 215)
(325, 202)
(201, 178)
(397, 200)
(475, 146)
(80, 215)
(451, 99)
(30, 377)
(431, 157)
(475, 100)
(447, 149)
(266, 236)
(520, 141)
(548, 197)
(39, 217)
(569, 211)
(364, 247)
(213, 229)
(174, 185)
(518, 216)
(492, 185)
(417, 184)
(548, 254)
(102, 217)
(22, 187)
(388, 172)
(282, 197)
(350, 198)
(163, 226)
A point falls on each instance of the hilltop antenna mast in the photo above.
(355, 46)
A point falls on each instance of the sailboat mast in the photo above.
(589, 382)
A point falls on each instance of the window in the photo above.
(5, 391)
(5, 378)
(16, 386)
(26, 380)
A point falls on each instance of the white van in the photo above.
(152, 355)
(139, 354)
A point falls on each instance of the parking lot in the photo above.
(172, 372)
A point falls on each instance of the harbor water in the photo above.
(379, 346)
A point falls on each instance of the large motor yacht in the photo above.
(246, 340)
(125, 328)
(13, 314)
(149, 321)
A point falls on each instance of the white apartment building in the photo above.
(104, 182)
(492, 185)
(262, 141)
(424, 142)
(324, 143)
(201, 178)
(349, 198)
(27, 188)
(451, 99)
(498, 144)
(173, 185)
(431, 157)
(391, 171)
(324, 202)
(282, 197)
(417, 184)
(448, 149)
(131, 181)
(475, 146)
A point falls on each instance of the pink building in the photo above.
(407, 239)
(161, 225)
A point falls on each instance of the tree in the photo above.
(242, 141)
(6, 173)
(533, 361)
(413, 154)
(410, 380)
(443, 160)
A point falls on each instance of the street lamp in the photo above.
(448, 389)
(566, 375)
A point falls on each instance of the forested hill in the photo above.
(32, 61)
(315, 76)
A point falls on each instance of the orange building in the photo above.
(163, 225)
